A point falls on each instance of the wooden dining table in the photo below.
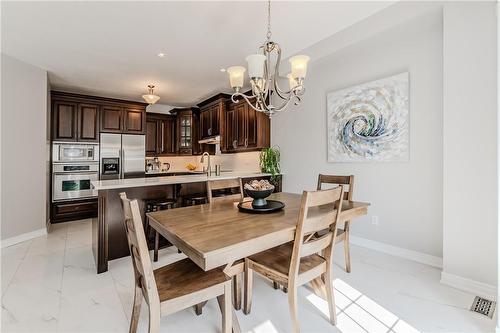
(218, 234)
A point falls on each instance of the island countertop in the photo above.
(170, 180)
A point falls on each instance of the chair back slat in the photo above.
(318, 210)
(141, 261)
(318, 221)
(224, 184)
(346, 181)
(316, 245)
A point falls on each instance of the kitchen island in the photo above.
(109, 239)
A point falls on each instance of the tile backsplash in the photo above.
(229, 162)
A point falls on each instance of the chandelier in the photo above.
(264, 82)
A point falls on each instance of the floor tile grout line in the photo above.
(18, 265)
(62, 278)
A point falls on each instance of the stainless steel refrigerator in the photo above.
(122, 156)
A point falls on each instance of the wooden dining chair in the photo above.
(238, 267)
(224, 184)
(342, 234)
(299, 262)
(173, 287)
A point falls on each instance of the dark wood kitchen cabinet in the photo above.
(73, 210)
(185, 130)
(64, 120)
(161, 135)
(123, 119)
(78, 117)
(72, 121)
(88, 122)
(246, 129)
(212, 118)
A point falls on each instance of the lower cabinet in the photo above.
(73, 210)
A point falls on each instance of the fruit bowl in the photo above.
(259, 196)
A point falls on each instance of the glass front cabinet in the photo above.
(185, 130)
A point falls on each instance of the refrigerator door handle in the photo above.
(122, 162)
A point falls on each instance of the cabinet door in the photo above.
(167, 137)
(205, 119)
(88, 122)
(251, 127)
(64, 121)
(241, 124)
(111, 119)
(152, 139)
(184, 133)
(231, 142)
(215, 112)
(134, 120)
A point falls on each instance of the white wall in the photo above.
(470, 130)
(23, 144)
(396, 191)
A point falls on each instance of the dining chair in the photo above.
(299, 262)
(173, 287)
(223, 184)
(342, 234)
(238, 266)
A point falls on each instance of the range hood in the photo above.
(213, 140)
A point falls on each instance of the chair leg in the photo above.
(237, 291)
(136, 309)
(347, 253)
(198, 308)
(248, 289)
(292, 302)
(157, 245)
(330, 297)
(276, 285)
(154, 318)
(226, 310)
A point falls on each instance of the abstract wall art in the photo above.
(370, 121)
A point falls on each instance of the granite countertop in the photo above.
(170, 180)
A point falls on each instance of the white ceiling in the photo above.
(110, 48)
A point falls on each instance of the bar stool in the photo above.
(194, 199)
(154, 205)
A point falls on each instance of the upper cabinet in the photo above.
(161, 137)
(123, 119)
(246, 129)
(78, 117)
(185, 131)
(212, 116)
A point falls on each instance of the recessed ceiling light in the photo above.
(161, 55)
(222, 70)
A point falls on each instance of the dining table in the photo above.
(219, 235)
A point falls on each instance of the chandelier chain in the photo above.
(268, 20)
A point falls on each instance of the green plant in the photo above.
(270, 162)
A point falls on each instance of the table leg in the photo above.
(231, 271)
(236, 324)
(157, 245)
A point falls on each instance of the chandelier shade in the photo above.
(151, 98)
(236, 76)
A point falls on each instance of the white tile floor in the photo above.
(49, 284)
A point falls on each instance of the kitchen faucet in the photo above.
(202, 160)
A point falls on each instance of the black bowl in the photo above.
(259, 196)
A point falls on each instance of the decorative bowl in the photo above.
(259, 196)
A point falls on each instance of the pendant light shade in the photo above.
(151, 98)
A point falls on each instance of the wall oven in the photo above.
(75, 152)
(73, 180)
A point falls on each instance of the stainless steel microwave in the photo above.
(75, 152)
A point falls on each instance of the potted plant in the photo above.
(270, 162)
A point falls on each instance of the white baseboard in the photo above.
(24, 237)
(397, 251)
(474, 287)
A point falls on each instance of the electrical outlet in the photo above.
(375, 220)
